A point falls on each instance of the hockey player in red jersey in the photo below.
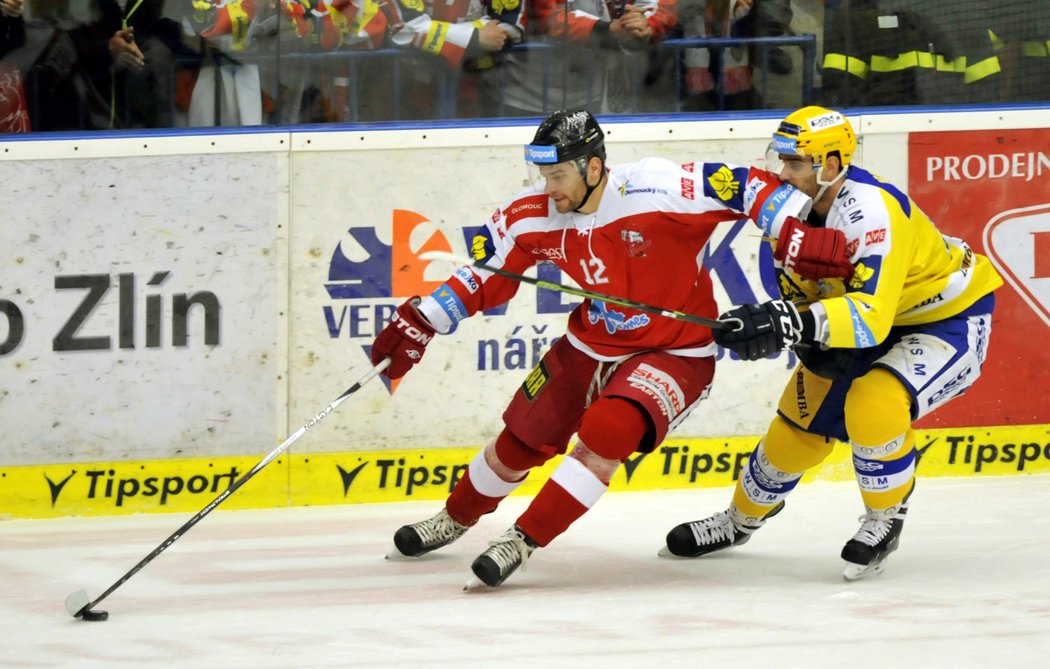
(620, 379)
(906, 332)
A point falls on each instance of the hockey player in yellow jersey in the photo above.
(906, 333)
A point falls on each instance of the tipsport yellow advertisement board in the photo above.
(188, 485)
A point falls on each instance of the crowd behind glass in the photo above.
(120, 64)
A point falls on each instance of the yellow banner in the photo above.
(45, 491)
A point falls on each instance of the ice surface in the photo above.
(308, 587)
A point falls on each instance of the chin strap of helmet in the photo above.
(590, 188)
(825, 185)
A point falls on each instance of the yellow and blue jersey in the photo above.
(906, 271)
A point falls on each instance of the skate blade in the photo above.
(665, 552)
(855, 572)
(474, 583)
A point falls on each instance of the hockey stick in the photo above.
(79, 604)
(579, 292)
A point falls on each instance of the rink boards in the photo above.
(172, 308)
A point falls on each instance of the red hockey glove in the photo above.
(403, 340)
(813, 253)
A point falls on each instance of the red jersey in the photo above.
(644, 243)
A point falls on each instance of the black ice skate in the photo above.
(878, 536)
(427, 535)
(503, 557)
(720, 531)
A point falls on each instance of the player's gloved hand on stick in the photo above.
(403, 340)
(813, 253)
(760, 329)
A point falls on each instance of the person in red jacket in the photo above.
(582, 54)
(620, 378)
(467, 36)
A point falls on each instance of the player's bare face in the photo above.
(564, 185)
(799, 172)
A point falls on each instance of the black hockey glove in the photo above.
(760, 329)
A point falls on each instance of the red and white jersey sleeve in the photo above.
(644, 243)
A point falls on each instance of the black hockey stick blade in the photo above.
(712, 323)
(80, 605)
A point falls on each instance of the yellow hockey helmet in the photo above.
(815, 132)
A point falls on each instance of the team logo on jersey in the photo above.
(501, 6)
(614, 320)
(482, 244)
(634, 241)
(861, 274)
(535, 381)
(477, 247)
(724, 183)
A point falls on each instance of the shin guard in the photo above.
(570, 492)
(479, 491)
(878, 420)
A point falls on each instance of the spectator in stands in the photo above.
(717, 78)
(228, 90)
(63, 64)
(691, 78)
(466, 35)
(1020, 42)
(723, 78)
(94, 64)
(316, 84)
(927, 52)
(128, 53)
(14, 113)
(772, 18)
(143, 47)
(584, 54)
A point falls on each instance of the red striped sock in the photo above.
(466, 505)
(550, 514)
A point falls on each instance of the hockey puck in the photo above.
(95, 616)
